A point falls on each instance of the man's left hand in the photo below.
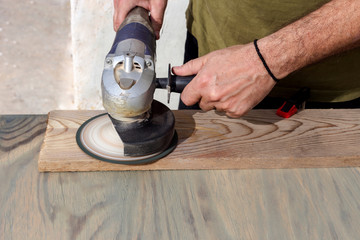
(232, 80)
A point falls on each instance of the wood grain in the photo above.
(312, 138)
(266, 204)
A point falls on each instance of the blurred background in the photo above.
(52, 53)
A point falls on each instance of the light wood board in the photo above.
(311, 138)
(321, 203)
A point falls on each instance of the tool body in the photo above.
(128, 80)
(145, 126)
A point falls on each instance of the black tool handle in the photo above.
(173, 83)
(178, 83)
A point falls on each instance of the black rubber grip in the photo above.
(178, 83)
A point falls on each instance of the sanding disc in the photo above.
(98, 138)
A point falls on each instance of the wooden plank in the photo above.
(312, 138)
(209, 204)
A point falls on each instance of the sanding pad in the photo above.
(98, 138)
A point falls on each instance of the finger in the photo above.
(157, 10)
(190, 68)
(205, 105)
(219, 106)
(238, 114)
(116, 15)
(122, 9)
(231, 115)
(238, 108)
(156, 24)
(191, 94)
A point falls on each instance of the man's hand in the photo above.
(155, 7)
(232, 80)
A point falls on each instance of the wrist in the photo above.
(279, 55)
(264, 62)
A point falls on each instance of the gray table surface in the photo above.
(207, 204)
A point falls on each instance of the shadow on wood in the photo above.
(185, 124)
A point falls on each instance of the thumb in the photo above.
(190, 68)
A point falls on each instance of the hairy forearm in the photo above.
(333, 28)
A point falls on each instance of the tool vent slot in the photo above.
(137, 65)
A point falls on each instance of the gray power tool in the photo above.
(145, 126)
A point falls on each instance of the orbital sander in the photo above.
(136, 129)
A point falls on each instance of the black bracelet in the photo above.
(263, 61)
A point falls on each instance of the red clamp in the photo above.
(294, 104)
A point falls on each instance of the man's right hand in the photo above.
(155, 7)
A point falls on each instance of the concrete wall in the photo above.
(35, 56)
(92, 37)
